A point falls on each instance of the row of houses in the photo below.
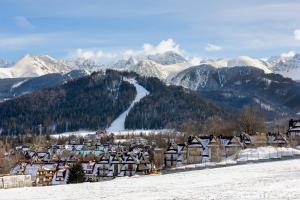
(46, 169)
(199, 149)
(106, 161)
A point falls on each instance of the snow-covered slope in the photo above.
(161, 65)
(148, 68)
(83, 64)
(286, 65)
(239, 61)
(271, 180)
(194, 77)
(33, 66)
(119, 123)
(124, 63)
(167, 58)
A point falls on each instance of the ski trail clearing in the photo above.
(118, 124)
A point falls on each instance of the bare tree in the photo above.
(251, 121)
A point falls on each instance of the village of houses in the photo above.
(107, 160)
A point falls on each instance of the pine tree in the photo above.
(76, 174)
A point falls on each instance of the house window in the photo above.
(130, 167)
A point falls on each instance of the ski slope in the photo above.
(118, 124)
(271, 180)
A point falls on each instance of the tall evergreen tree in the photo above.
(76, 174)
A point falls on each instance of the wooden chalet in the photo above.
(45, 175)
(214, 149)
(115, 165)
(230, 145)
(144, 165)
(293, 132)
(103, 167)
(88, 168)
(194, 150)
(173, 155)
(129, 165)
(61, 176)
(277, 140)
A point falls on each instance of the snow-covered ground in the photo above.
(119, 123)
(245, 156)
(271, 180)
(265, 153)
(84, 133)
(77, 133)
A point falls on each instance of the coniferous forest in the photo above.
(94, 101)
(91, 102)
(168, 107)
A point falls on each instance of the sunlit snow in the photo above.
(271, 180)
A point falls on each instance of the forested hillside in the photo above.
(237, 87)
(168, 106)
(94, 101)
(90, 102)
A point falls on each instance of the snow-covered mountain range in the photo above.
(158, 65)
(286, 65)
(238, 62)
(33, 66)
(235, 87)
(164, 65)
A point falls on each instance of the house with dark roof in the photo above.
(103, 167)
(194, 150)
(144, 165)
(174, 155)
(277, 140)
(293, 132)
(129, 165)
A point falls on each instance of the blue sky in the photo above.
(215, 28)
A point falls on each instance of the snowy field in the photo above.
(271, 180)
(84, 133)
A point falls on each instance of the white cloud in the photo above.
(195, 60)
(288, 54)
(297, 34)
(23, 22)
(213, 47)
(99, 55)
(149, 49)
(96, 55)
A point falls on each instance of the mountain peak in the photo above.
(240, 61)
(32, 66)
(167, 58)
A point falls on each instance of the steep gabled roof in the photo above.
(172, 148)
(213, 142)
(235, 141)
(195, 141)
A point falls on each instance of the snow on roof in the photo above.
(32, 169)
(225, 142)
(294, 129)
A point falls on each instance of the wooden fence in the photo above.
(15, 181)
